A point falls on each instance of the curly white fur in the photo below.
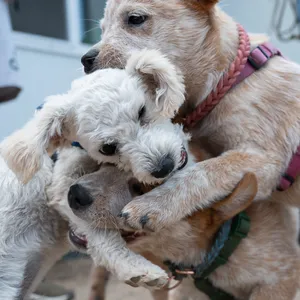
(87, 113)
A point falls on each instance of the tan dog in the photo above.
(255, 128)
(256, 264)
(265, 265)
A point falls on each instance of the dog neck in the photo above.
(212, 58)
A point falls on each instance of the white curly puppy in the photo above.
(102, 112)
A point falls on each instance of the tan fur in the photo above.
(201, 5)
(265, 265)
(255, 128)
(266, 262)
(99, 277)
(271, 247)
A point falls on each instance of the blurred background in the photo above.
(51, 36)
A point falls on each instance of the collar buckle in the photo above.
(254, 58)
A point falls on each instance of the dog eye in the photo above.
(108, 149)
(136, 20)
(142, 112)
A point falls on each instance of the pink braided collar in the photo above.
(225, 84)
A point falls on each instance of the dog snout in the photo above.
(79, 197)
(107, 56)
(88, 60)
(165, 167)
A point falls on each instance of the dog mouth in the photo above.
(183, 160)
(78, 240)
(131, 236)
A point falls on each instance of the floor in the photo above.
(74, 275)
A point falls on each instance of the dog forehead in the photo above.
(109, 92)
(111, 121)
(172, 9)
(113, 4)
(113, 107)
(108, 176)
(114, 7)
(160, 129)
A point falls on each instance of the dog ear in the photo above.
(161, 76)
(239, 200)
(201, 5)
(24, 151)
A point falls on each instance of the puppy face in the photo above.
(157, 151)
(99, 197)
(136, 130)
(165, 25)
(126, 123)
(99, 111)
(132, 130)
(89, 196)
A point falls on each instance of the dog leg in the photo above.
(160, 295)
(187, 291)
(43, 264)
(99, 279)
(199, 186)
(108, 249)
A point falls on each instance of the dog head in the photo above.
(178, 28)
(157, 151)
(97, 112)
(89, 196)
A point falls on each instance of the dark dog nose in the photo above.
(79, 197)
(165, 168)
(88, 60)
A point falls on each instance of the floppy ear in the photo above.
(239, 200)
(25, 150)
(201, 5)
(158, 73)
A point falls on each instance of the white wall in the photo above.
(41, 74)
(255, 16)
(48, 72)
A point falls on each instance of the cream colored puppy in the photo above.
(256, 126)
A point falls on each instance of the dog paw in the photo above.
(149, 281)
(157, 209)
(139, 215)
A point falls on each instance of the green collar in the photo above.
(227, 240)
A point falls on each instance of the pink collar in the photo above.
(245, 64)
